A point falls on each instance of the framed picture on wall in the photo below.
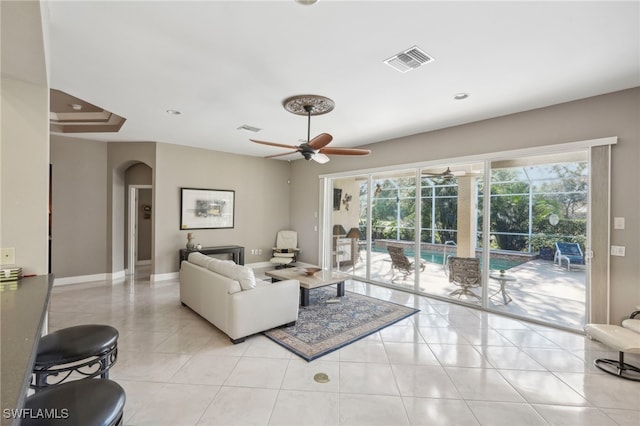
(337, 195)
(206, 208)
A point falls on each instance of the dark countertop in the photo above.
(22, 317)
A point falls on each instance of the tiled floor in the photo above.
(446, 365)
(542, 291)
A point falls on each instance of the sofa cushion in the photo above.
(262, 283)
(243, 274)
(203, 260)
(199, 259)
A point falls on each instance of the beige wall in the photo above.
(25, 174)
(24, 148)
(615, 114)
(145, 198)
(79, 207)
(261, 201)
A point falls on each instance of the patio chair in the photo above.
(465, 273)
(400, 263)
(286, 250)
(569, 252)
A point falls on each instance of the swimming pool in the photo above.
(437, 257)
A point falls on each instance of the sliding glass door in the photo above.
(538, 234)
(449, 228)
(405, 229)
(393, 228)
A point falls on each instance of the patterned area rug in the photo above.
(324, 327)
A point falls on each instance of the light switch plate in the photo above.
(7, 256)
(617, 250)
(618, 223)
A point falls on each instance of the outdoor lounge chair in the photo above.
(569, 252)
(465, 273)
(400, 263)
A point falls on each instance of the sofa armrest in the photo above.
(264, 307)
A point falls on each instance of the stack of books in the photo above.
(9, 277)
(8, 274)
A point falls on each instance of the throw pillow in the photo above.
(200, 259)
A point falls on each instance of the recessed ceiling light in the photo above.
(461, 96)
(173, 112)
(307, 2)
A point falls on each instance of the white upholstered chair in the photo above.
(286, 250)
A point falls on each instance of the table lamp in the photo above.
(338, 230)
(354, 233)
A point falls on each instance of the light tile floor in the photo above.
(446, 365)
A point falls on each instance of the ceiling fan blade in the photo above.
(445, 173)
(345, 151)
(450, 174)
(320, 141)
(320, 158)
(280, 145)
(281, 155)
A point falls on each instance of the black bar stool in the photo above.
(78, 402)
(89, 350)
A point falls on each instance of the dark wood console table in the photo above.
(237, 252)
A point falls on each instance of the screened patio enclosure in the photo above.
(436, 212)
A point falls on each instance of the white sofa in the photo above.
(232, 299)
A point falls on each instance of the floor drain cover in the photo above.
(321, 378)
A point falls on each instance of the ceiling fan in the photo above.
(314, 149)
(450, 174)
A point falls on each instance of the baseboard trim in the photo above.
(115, 276)
(164, 277)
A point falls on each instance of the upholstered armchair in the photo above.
(286, 250)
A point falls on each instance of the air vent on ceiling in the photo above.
(408, 60)
(249, 128)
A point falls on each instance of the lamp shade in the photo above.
(354, 233)
(339, 230)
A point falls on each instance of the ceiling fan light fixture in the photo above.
(312, 149)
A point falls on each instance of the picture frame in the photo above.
(206, 208)
(337, 195)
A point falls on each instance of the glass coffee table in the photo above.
(308, 282)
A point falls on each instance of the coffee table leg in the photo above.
(341, 289)
(304, 296)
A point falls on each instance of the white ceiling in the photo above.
(228, 63)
